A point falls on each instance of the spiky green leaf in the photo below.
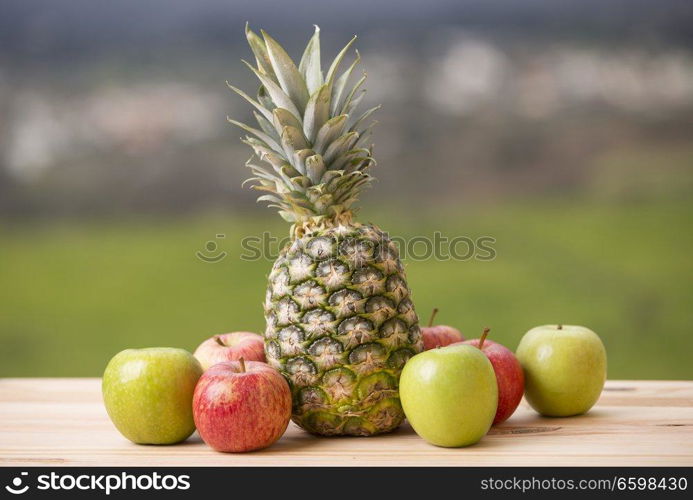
(259, 134)
(266, 126)
(315, 168)
(292, 140)
(264, 98)
(257, 45)
(337, 61)
(265, 112)
(287, 73)
(299, 158)
(279, 97)
(332, 129)
(339, 147)
(352, 99)
(283, 118)
(317, 112)
(338, 90)
(310, 64)
(362, 118)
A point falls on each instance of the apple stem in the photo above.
(242, 362)
(219, 341)
(433, 315)
(560, 327)
(483, 337)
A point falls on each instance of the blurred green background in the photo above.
(83, 291)
(563, 134)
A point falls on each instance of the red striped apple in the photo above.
(241, 406)
(439, 335)
(509, 375)
(231, 347)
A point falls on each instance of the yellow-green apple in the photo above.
(241, 406)
(439, 335)
(511, 380)
(565, 369)
(449, 395)
(148, 394)
(231, 347)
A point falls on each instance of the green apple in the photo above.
(565, 369)
(148, 394)
(449, 395)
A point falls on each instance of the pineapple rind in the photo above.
(340, 326)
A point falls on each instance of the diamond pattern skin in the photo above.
(340, 326)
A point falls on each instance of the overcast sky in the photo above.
(43, 27)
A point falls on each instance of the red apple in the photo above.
(241, 406)
(231, 347)
(509, 375)
(439, 335)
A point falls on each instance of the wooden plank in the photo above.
(63, 422)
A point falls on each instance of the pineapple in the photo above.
(340, 319)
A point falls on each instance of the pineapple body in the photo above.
(340, 326)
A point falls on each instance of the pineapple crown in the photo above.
(310, 140)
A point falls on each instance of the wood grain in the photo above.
(55, 422)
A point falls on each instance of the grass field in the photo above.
(75, 293)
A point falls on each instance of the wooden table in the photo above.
(53, 422)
